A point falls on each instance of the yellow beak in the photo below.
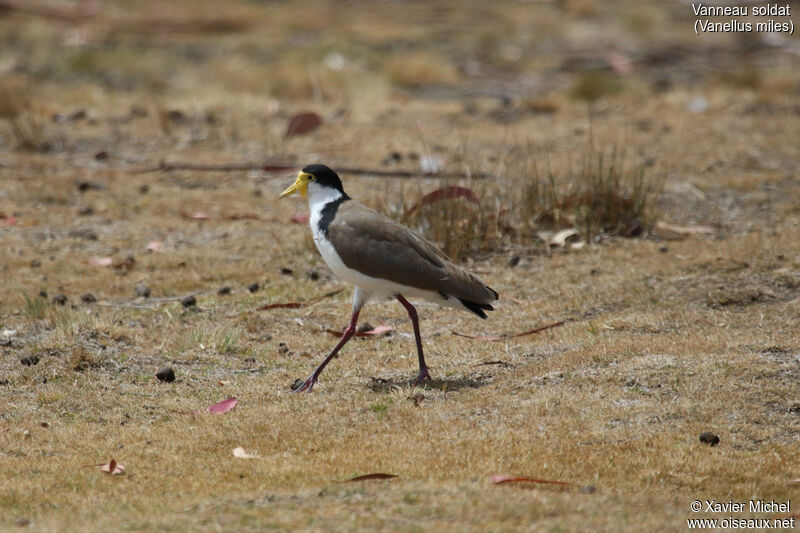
(300, 185)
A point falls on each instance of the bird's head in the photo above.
(314, 176)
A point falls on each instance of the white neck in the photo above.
(319, 196)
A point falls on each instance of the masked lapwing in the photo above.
(382, 258)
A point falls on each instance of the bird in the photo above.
(381, 258)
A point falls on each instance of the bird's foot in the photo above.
(424, 377)
(306, 386)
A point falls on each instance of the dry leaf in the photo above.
(303, 123)
(224, 406)
(500, 479)
(494, 338)
(377, 475)
(155, 246)
(241, 454)
(112, 467)
(100, 261)
(10, 220)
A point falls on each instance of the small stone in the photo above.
(253, 287)
(43, 294)
(29, 360)
(313, 275)
(84, 186)
(282, 348)
(101, 155)
(59, 299)
(224, 290)
(587, 489)
(189, 301)
(86, 211)
(88, 298)
(709, 438)
(364, 327)
(513, 260)
(287, 271)
(144, 189)
(663, 249)
(258, 193)
(165, 374)
(23, 522)
(142, 290)
(35, 263)
(296, 384)
(44, 424)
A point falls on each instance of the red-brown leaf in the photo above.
(299, 218)
(500, 479)
(112, 468)
(197, 215)
(376, 475)
(100, 261)
(494, 338)
(224, 406)
(445, 193)
(303, 123)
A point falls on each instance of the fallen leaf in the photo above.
(287, 305)
(500, 479)
(494, 338)
(299, 218)
(560, 238)
(374, 332)
(377, 475)
(112, 468)
(100, 261)
(445, 193)
(155, 246)
(10, 220)
(303, 123)
(241, 454)
(224, 406)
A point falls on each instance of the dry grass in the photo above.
(668, 335)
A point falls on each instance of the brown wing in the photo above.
(378, 246)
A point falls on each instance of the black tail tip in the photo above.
(476, 307)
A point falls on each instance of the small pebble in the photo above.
(287, 271)
(189, 301)
(144, 189)
(23, 522)
(513, 260)
(59, 299)
(313, 275)
(587, 489)
(43, 294)
(84, 186)
(709, 438)
(142, 290)
(224, 290)
(30, 360)
(88, 298)
(296, 384)
(35, 263)
(101, 156)
(663, 249)
(86, 211)
(253, 287)
(282, 348)
(165, 374)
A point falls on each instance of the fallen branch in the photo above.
(169, 166)
(493, 338)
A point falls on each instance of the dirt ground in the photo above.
(688, 327)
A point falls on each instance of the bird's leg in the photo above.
(424, 375)
(346, 336)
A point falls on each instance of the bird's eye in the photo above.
(312, 178)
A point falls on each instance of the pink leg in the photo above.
(424, 375)
(348, 333)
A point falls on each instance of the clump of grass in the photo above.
(24, 116)
(34, 306)
(420, 69)
(220, 340)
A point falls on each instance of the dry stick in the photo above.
(168, 166)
